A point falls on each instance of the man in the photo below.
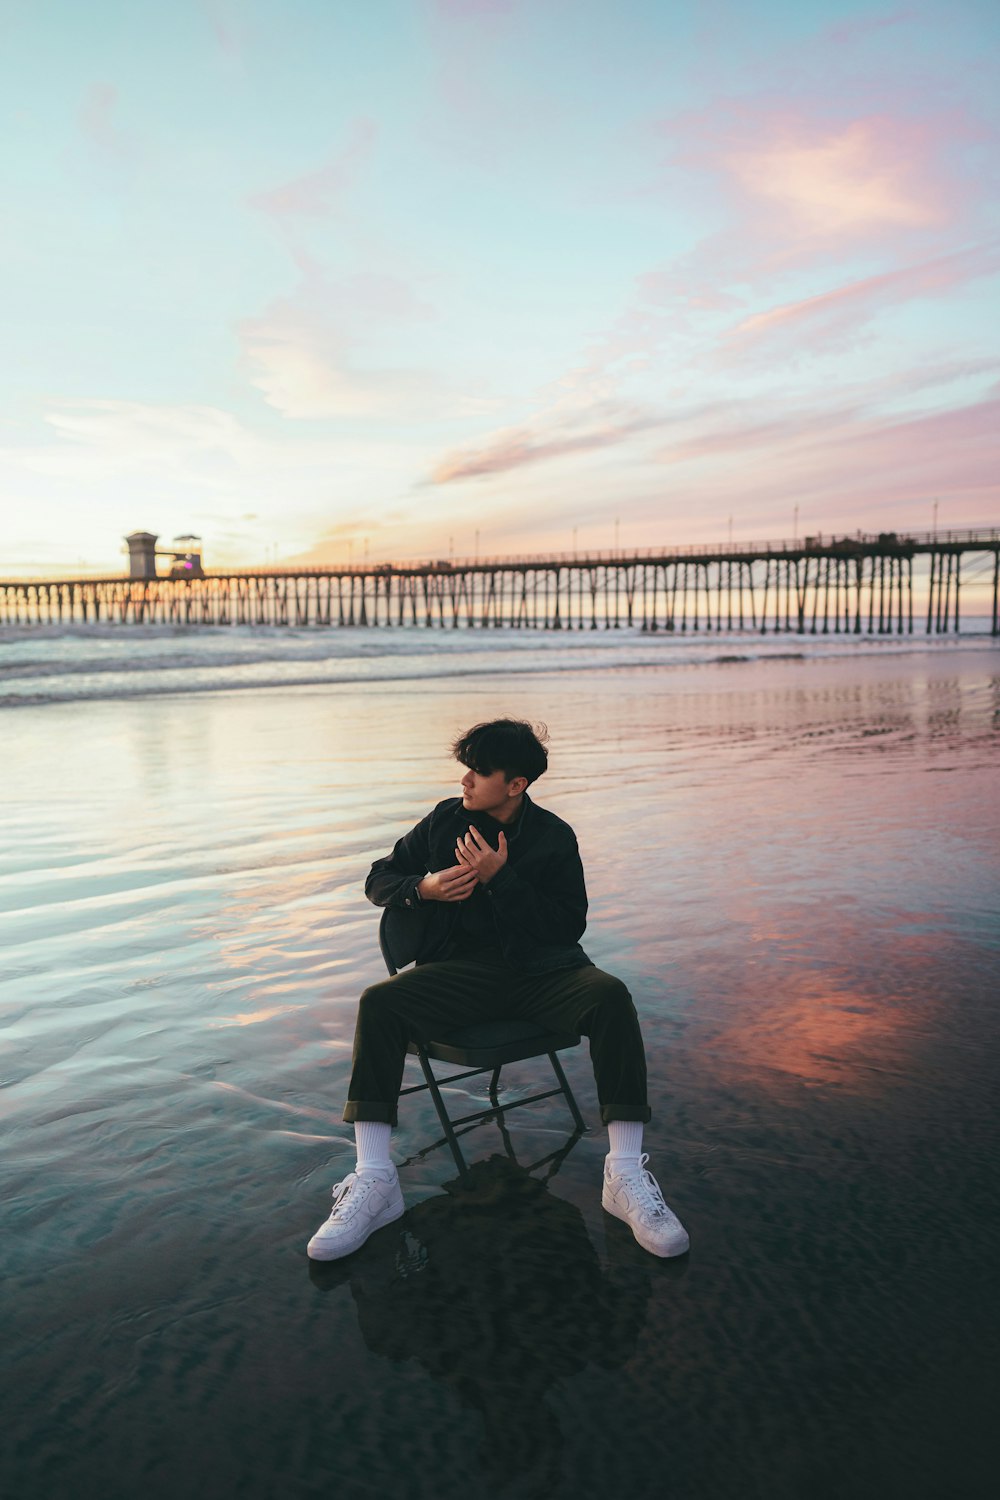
(501, 886)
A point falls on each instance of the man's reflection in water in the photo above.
(496, 1290)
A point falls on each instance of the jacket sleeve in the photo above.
(393, 881)
(551, 913)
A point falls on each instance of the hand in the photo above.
(456, 884)
(475, 854)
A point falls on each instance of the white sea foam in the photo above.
(53, 664)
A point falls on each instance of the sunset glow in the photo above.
(436, 277)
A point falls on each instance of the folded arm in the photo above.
(404, 877)
(393, 880)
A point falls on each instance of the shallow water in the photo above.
(795, 864)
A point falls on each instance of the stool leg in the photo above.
(557, 1068)
(508, 1144)
(446, 1126)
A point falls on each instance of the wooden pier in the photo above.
(884, 584)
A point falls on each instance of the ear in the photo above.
(517, 787)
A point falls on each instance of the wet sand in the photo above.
(796, 868)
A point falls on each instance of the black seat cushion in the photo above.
(489, 1044)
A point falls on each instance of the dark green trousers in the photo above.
(436, 998)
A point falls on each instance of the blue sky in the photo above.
(322, 280)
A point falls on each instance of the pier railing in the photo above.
(919, 541)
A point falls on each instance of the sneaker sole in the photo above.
(670, 1254)
(333, 1252)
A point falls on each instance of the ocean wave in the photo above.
(72, 664)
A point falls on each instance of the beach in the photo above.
(793, 860)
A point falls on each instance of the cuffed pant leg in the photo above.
(380, 1041)
(598, 1005)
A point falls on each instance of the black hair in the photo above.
(509, 745)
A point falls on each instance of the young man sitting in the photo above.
(500, 883)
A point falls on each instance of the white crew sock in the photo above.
(625, 1142)
(372, 1140)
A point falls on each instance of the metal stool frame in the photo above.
(483, 1048)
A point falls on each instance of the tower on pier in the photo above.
(141, 554)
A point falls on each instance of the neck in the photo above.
(509, 813)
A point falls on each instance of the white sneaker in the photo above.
(361, 1204)
(634, 1195)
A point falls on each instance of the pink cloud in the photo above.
(841, 467)
(843, 461)
(849, 32)
(720, 428)
(310, 353)
(661, 288)
(799, 188)
(815, 178)
(516, 447)
(830, 315)
(794, 182)
(839, 181)
(319, 193)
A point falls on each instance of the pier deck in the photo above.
(867, 584)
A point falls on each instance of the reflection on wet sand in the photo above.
(794, 866)
(496, 1290)
(814, 1026)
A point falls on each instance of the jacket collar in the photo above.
(493, 826)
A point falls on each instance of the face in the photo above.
(492, 794)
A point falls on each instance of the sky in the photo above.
(322, 281)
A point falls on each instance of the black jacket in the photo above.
(533, 911)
